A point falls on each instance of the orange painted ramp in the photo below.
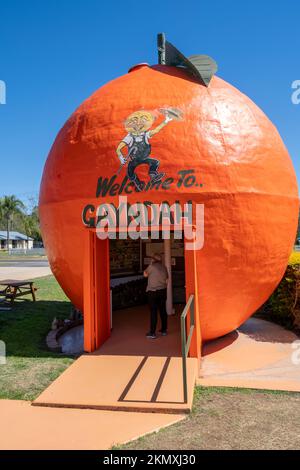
(133, 383)
(24, 427)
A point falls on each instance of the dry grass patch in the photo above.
(225, 419)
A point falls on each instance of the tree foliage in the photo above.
(16, 215)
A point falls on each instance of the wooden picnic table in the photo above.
(15, 289)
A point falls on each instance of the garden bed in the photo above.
(283, 307)
(52, 339)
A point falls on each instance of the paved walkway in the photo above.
(21, 273)
(25, 427)
(257, 355)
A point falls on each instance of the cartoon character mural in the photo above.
(138, 125)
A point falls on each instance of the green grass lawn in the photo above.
(30, 366)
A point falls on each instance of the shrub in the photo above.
(283, 306)
(294, 258)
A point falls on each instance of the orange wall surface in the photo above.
(244, 175)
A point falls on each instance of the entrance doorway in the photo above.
(134, 371)
(130, 315)
(115, 303)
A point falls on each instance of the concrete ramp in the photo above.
(123, 383)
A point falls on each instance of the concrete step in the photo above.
(123, 383)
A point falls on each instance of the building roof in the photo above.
(14, 236)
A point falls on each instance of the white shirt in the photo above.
(130, 139)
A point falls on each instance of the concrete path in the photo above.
(24, 427)
(258, 355)
(21, 271)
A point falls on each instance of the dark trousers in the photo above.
(152, 162)
(157, 301)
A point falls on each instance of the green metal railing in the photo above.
(185, 343)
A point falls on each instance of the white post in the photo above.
(168, 264)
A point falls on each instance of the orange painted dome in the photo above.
(240, 169)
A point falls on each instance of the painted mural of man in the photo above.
(137, 141)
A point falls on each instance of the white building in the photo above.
(16, 240)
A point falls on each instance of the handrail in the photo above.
(185, 343)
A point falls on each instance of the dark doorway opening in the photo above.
(130, 314)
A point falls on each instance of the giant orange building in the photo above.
(172, 132)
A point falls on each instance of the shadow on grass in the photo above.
(25, 327)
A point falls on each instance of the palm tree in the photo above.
(10, 205)
(29, 226)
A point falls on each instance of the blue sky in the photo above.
(55, 53)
